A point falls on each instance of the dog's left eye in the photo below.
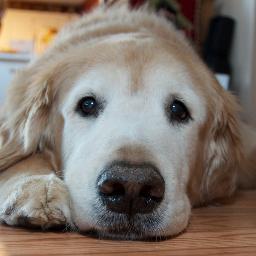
(88, 106)
(179, 112)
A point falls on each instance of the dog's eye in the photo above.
(88, 106)
(179, 112)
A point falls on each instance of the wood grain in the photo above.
(215, 230)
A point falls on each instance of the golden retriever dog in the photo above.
(118, 130)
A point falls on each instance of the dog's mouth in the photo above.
(123, 235)
(122, 227)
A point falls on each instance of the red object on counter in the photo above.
(136, 3)
(89, 5)
(189, 9)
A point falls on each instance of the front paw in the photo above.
(38, 201)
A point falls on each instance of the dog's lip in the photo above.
(124, 233)
(115, 226)
(123, 236)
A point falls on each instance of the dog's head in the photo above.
(135, 123)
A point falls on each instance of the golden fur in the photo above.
(31, 124)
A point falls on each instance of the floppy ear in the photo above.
(222, 149)
(24, 116)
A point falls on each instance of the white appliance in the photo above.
(9, 65)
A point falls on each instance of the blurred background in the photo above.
(222, 31)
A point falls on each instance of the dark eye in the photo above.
(88, 106)
(179, 112)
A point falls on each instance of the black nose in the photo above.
(130, 189)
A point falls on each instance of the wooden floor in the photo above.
(222, 230)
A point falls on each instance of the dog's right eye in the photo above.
(88, 106)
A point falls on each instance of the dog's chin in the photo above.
(124, 235)
(121, 227)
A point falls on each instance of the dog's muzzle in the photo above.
(131, 188)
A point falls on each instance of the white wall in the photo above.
(243, 57)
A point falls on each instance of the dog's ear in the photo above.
(222, 154)
(24, 116)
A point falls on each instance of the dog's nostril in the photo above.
(151, 192)
(110, 188)
(118, 189)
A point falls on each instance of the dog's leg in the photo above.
(32, 195)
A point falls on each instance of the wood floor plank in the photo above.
(215, 230)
